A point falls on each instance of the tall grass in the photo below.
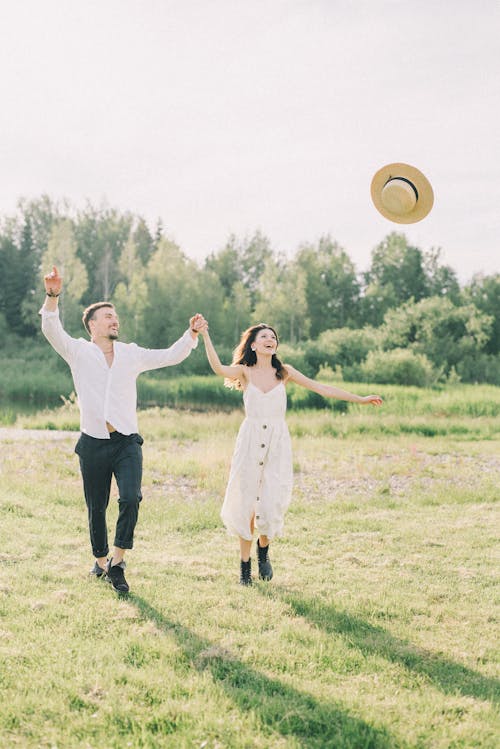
(35, 385)
(465, 412)
(24, 389)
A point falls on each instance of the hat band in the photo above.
(403, 179)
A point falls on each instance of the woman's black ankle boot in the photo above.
(246, 572)
(265, 568)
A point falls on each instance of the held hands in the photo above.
(204, 328)
(53, 283)
(198, 324)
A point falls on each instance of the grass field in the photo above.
(378, 629)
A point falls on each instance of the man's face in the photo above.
(105, 324)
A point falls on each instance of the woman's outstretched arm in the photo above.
(231, 372)
(328, 391)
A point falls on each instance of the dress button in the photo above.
(258, 499)
(261, 462)
(264, 426)
(263, 445)
(257, 516)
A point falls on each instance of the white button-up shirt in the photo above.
(109, 393)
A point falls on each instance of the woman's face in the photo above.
(265, 342)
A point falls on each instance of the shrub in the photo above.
(480, 368)
(343, 347)
(296, 357)
(437, 328)
(4, 330)
(398, 367)
(327, 374)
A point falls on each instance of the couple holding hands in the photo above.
(105, 371)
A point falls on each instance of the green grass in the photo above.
(377, 631)
(464, 411)
(27, 386)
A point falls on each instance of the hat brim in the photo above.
(422, 185)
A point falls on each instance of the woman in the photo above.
(260, 482)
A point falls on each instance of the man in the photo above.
(104, 374)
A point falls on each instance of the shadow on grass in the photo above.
(278, 707)
(369, 639)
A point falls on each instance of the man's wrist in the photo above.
(194, 331)
(51, 294)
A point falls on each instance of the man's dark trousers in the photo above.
(100, 460)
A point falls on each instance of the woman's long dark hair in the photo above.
(243, 354)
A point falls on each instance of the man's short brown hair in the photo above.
(88, 313)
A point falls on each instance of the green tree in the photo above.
(61, 251)
(177, 289)
(445, 333)
(396, 275)
(484, 292)
(237, 314)
(282, 300)
(101, 234)
(226, 264)
(36, 219)
(12, 283)
(254, 253)
(241, 263)
(441, 279)
(29, 263)
(331, 286)
(143, 240)
(131, 293)
(158, 233)
(19, 277)
(41, 213)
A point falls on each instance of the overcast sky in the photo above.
(227, 116)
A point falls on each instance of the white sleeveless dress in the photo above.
(261, 475)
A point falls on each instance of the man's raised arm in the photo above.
(53, 287)
(51, 324)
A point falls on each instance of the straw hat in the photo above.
(401, 193)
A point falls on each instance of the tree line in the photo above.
(406, 319)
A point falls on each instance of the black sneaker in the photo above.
(116, 576)
(97, 571)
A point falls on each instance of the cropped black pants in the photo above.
(100, 460)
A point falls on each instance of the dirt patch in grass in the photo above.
(12, 434)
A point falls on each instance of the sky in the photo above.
(226, 116)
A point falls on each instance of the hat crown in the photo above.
(399, 196)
